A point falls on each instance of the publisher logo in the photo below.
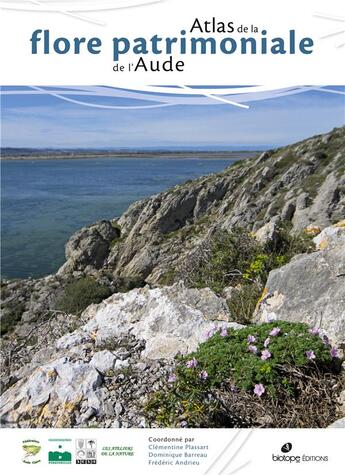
(85, 451)
(60, 452)
(31, 450)
(286, 447)
(288, 456)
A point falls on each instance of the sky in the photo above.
(45, 121)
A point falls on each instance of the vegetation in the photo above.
(79, 294)
(286, 161)
(11, 316)
(236, 259)
(238, 376)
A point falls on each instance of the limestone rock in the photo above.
(331, 236)
(309, 289)
(51, 393)
(89, 247)
(170, 320)
(103, 361)
(267, 233)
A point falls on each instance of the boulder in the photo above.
(89, 247)
(267, 233)
(103, 361)
(309, 289)
(170, 320)
(331, 236)
(51, 393)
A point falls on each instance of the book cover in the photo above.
(172, 236)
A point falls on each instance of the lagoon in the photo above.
(43, 202)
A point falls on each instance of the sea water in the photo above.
(43, 202)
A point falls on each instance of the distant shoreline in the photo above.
(207, 155)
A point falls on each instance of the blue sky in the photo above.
(46, 121)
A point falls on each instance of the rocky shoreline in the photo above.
(143, 302)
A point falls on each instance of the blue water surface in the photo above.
(43, 202)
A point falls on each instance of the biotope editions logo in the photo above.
(298, 458)
(286, 447)
(31, 450)
(59, 454)
(86, 451)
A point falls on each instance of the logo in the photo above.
(59, 454)
(286, 447)
(117, 451)
(31, 450)
(297, 458)
(85, 451)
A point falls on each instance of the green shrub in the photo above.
(243, 302)
(289, 244)
(78, 295)
(223, 264)
(227, 364)
(11, 316)
(236, 259)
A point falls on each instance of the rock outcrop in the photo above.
(89, 247)
(303, 183)
(100, 365)
(311, 288)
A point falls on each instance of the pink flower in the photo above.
(334, 352)
(224, 332)
(266, 342)
(211, 331)
(265, 355)
(203, 375)
(172, 378)
(233, 388)
(259, 389)
(275, 331)
(192, 363)
(310, 355)
(314, 331)
(251, 339)
(252, 348)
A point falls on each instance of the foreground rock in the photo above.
(311, 289)
(104, 371)
(170, 320)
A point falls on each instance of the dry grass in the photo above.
(312, 403)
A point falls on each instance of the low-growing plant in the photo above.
(79, 294)
(265, 363)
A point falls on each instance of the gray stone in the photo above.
(89, 247)
(103, 361)
(310, 289)
(331, 236)
(118, 409)
(170, 320)
(288, 211)
(50, 392)
(121, 364)
(267, 233)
